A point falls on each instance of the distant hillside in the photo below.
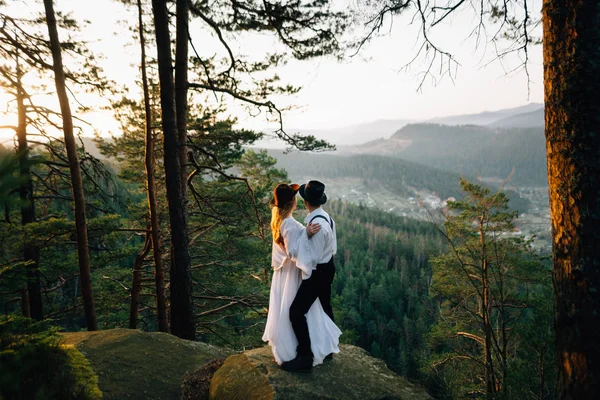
(395, 174)
(382, 147)
(479, 151)
(379, 176)
(533, 119)
(470, 150)
(486, 117)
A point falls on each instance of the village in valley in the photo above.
(426, 205)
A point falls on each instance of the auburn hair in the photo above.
(278, 214)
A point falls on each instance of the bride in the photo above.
(288, 236)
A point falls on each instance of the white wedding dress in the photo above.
(324, 334)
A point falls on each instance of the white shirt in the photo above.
(320, 248)
(291, 232)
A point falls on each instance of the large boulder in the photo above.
(352, 374)
(132, 364)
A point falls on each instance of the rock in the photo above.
(131, 364)
(196, 384)
(353, 374)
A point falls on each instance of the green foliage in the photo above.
(228, 192)
(488, 287)
(10, 181)
(53, 233)
(34, 365)
(381, 282)
(235, 274)
(260, 166)
(533, 370)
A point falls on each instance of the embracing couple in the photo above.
(300, 327)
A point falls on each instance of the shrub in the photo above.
(33, 364)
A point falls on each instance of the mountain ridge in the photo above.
(485, 117)
(532, 119)
(362, 133)
(488, 152)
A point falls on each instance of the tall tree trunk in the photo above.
(25, 309)
(159, 266)
(490, 377)
(572, 106)
(76, 181)
(31, 253)
(136, 283)
(503, 333)
(181, 90)
(486, 306)
(181, 83)
(182, 311)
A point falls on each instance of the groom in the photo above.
(317, 283)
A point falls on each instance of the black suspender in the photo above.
(322, 216)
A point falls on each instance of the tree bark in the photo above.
(76, 181)
(25, 310)
(486, 305)
(181, 90)
(31, 253)
(182, 312)
(181, 84)
(572, 106)
(149, 162)
(136, 283)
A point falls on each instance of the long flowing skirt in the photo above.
(324, 334)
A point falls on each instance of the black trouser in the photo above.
(317, 286)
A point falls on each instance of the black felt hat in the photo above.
(314, 193)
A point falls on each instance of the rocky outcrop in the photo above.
(352, 374)
(132, 364)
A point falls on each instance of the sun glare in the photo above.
(87, 124)
(100, 122)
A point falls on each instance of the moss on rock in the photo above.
(353, 374)
(34, 366)
(131, 364)
(240, 379)
(84, 382)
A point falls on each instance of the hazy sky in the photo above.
(359, 89)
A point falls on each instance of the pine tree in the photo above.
(75, 169)
(482, 286)
(303, 27)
